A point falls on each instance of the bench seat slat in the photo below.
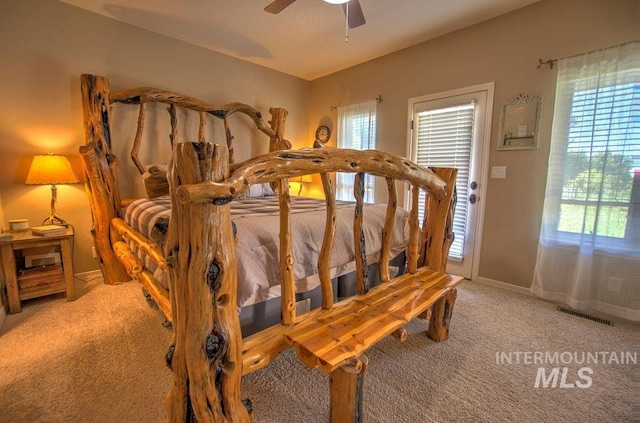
(404, 285)
(380, 328)
(341, 334)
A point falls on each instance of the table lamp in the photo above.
(51, 169)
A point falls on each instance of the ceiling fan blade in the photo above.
(356, 17)
(278, 6)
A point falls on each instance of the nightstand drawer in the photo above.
(33, 283)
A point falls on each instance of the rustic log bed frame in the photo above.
(208, 355)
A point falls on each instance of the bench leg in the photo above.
(346, 388)
(441, 316)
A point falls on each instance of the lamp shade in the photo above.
(50, 169)
(305, 178)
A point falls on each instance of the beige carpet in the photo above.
(101, 359)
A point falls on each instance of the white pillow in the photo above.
(260, 190)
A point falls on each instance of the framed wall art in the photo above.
(519, 123)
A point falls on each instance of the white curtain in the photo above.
(356, 130)
(589, 248)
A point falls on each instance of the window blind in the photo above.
(602, 151)
(444, 139)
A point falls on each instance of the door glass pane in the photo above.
(444, 139)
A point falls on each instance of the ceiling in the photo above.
(307, 39)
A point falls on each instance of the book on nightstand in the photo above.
(49, 230)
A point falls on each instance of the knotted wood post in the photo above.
(287, 274)
(346, 390)
(437, 237)
(387, 233)
(437, 232)
(277, 122)
(205, 355)
(441, 317)
(359, 240)
(324, 260)
(100, 168)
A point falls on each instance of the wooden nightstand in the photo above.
(50, 280)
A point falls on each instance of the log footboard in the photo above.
(333, 338)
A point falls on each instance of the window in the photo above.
(356, 130)
(589, 248)
(602, 161)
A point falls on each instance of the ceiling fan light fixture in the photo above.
(337, 1)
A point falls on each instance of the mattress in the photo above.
(258, 230)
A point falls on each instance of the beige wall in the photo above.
(504, 50)
(46, 45)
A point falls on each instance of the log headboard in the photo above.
(101, 164)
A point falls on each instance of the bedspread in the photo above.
(258, 230)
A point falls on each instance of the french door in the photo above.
(452, 129)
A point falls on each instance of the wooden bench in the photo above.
(334, 340)
(337, 336)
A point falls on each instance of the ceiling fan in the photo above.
(351, 8)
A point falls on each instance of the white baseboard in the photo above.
(504, 285)
(88, 276)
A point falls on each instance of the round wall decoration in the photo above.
(323, 133)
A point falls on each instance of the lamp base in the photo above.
(54, 219)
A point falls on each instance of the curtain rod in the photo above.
(378, 99)
(542, 64)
